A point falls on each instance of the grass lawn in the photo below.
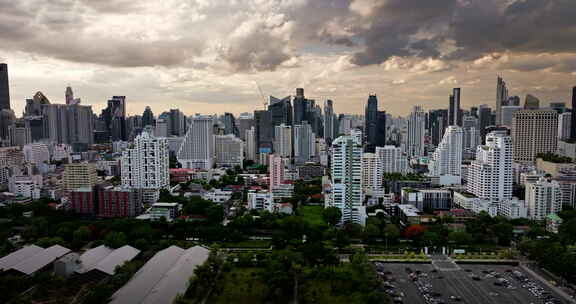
(240, 285)
(312, 215)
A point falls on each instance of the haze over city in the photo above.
(204, 56)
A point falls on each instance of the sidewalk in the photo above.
(559, 291)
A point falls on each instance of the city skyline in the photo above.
(349, 49)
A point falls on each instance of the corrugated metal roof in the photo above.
(117, 258)
(91, 258)
(163, 277)
(40, 260)
(18, 256)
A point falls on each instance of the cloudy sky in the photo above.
(209, 55)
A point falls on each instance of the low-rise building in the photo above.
(217, 195)
(427, 199)
(513, 209)
(553, 223)
(408, 214)
(260, 201)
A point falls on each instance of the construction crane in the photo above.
(264, 101)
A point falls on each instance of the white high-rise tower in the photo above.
(197, 149)
(347, 194)
(283, 140)
(416, 133)
(490, 175)
(446, 161)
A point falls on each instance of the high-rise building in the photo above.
(276, 170)
(329, 122)
(303, 108)
(454, 112)
(565, 125)
(230, 125)
(507, 114)
(391, 159)
(162, 128)
(229, 151)
(283, 141)
(484, 120)
(34, 105)
(115, 118)
(280, 111)
(347, 194)
(147, 117)
(177, 123)
(437, 123)
(531, 103)
(19, 133)
(472, 139)
(513, 101)
(245, 122)
(4, 87)
(573, 124)
(534, 132)
(197, 150)
(371, 173)
(7, 118)
(264, 131)
(36, 153)
(543, 198)
(251, 144)
(145, 167)
(446, 161)
(371, 122)
(501, 99)
(490, 176)
(304, 143)
(68, 124)
(79, 175)
(69, 97)
(416, 133)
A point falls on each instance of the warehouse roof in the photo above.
(18, 256)
(40, 260)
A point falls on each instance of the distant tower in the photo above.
(69, 96)
(501, 99)
(4, 87)
(454, 113)
(573, 125)
(416, 132)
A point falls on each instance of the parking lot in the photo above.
(481, 284)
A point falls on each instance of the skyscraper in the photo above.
(250, 141)
(531, 103)
(416, 133)
(329, 122)
(573, 125)
(4, 87)
(437, 123)
(197, 149)
(446, 161)
(346, 180)
(484, 120)
(115, 118)
(229, 151)
(455, 113)
(147, 117)
(304, 143)
(146, 166)
(543, 198)
(283, 141)
(177, 123)
(501, 99)
(264, 131)
(534, 132)
(564, 125)
(230, 126)
(69, 95)
(245, 122)
(391, 159)
(371, 122)
(302, 108)
(276, 171)
(490, 175)
(280, 110)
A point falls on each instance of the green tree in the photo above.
(115, 239)
(460, 238)
(332, 215)
(82, 234)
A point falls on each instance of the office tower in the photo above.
(573, 124)
(230, 124)
(559, 107)
(115, 118)
(36, 153)
(283, 141)
(229, 151)
(513, 101)
(177, 123)
(162, 128)
(391, 159)
(543, 198)
(133, 126)
(145, 166)
(534, 132)
(472, 139)
(301, 107)
(490, 175)
(374, 125)
(381, 129)
(565, 126)
(34, 105)
(81, 126)
(346, 180)
(56, 122)
(250, 144)
(4, 87)
(7, 118)
(455, 113)
(79, 175)
(329, 122)
(501, 99)
(437, 123)
(484, 120)
(264, 131)
(147, 117)
(245, 123)
(371, 173)
(474, 111)
(531, 103)
(19, 133)
(69, 97)
(507, 114)
(416, 133)
(197, 149)
(446, 161)
(304, 143)
(280, 111)
(276, 171)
